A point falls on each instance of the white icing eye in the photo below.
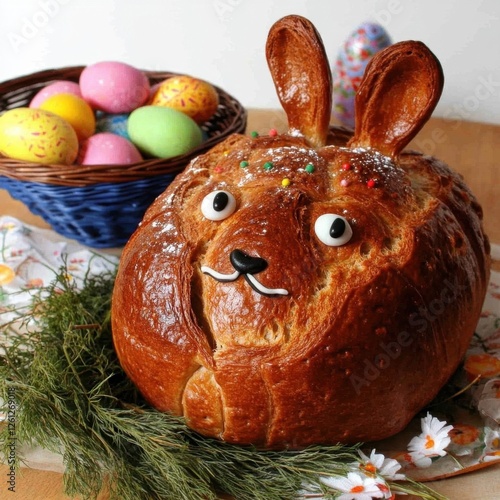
(332, 230)
(218, 205)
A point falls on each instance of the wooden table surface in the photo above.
(473, 149)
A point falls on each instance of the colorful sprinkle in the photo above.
(371, 183)
(309, 168)
(285, 182)
(254, 134)
(218, 169)
(344, 182)
(226, 152)
(273, 132)
(243, 164)
(268, 165)
(346, 166)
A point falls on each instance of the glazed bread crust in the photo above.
(369, 331)
(235, 307)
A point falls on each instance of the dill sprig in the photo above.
(73, 398)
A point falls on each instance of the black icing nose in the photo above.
(246, 264)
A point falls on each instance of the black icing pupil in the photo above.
(220, 201)
(337, 228)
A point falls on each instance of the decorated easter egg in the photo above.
(74, 110)
(196, 98)
(38, 136)
(114, 123)
(106, 148)
(358, 49)
(114, 87)
(59, 87)
(163, 132)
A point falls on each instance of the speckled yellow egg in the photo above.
(38, 136)
(194, 97)
(74, 110)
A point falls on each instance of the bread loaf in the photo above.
(317, 286)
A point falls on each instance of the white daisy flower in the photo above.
(378, 464)
(354, 487)
(419, 460)
(434, 438)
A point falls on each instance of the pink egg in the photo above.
(108, 149)
(59, 87)
(114, 87)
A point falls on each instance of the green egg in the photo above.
(163, 132)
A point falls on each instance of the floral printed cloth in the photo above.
(31, 257)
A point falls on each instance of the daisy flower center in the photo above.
(357, 489)
(429, 442)
(370, 468)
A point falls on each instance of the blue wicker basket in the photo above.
(100, 206)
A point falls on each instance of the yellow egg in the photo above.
(38, 136)
(74, 110)
(193, 97)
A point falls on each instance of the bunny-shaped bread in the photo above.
(317, 286)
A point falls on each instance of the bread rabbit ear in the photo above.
(399, 91)
(301, 73)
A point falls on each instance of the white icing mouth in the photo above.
(219, 276)
(256, 285)
(251, 279)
